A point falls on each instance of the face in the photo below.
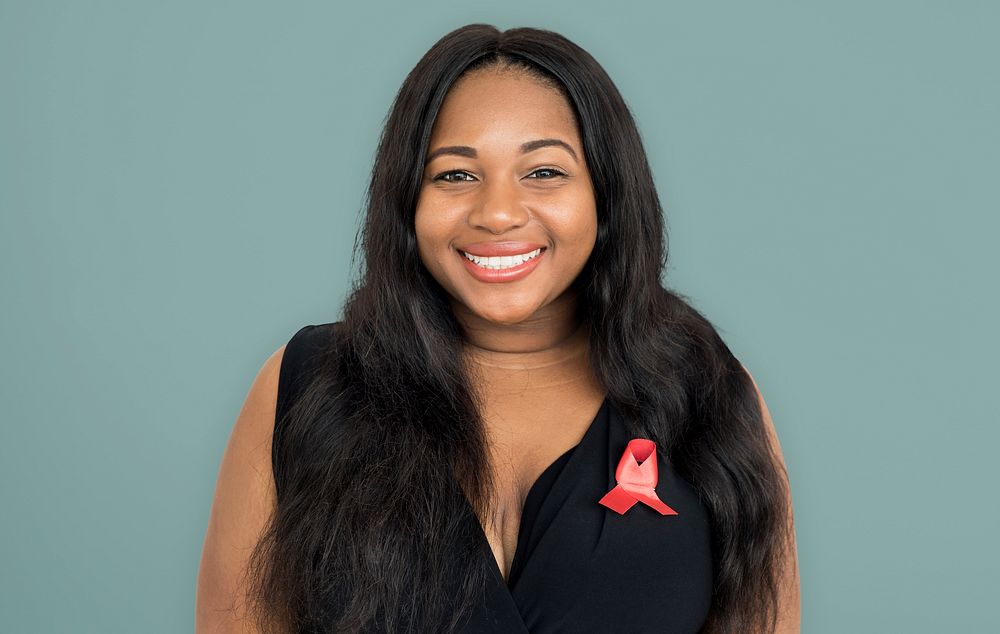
(506, 177)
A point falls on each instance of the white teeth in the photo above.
(501, 262)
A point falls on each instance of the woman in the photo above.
(450, 456)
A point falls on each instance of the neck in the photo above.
(545, 351)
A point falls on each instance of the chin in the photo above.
(508, 317)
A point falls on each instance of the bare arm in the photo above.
(789, 609)
(244, 500)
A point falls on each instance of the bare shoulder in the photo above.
(243, 502)
(255, 423)
(790, 607)
(768, 423)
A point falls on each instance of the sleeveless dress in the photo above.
(578, 567)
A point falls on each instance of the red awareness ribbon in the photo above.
(636, 482)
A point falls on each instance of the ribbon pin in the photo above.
(636, 482)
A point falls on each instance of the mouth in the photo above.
(507, 268)
(503, 262)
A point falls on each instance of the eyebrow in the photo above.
(530, 146)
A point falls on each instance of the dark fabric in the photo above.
(302, 353)
(579, 566)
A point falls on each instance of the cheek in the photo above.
(431, 239)
(423, 225)
(423, 237)
(577, 229)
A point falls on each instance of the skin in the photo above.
(789, 601)
(244, 499)
(525, 343)
(504, 194)
(526, 327)
(523, 338)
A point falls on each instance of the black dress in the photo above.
(580, 567)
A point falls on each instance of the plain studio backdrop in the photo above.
(180, 185)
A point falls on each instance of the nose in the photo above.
(499, 208)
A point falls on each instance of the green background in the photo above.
(180, 184)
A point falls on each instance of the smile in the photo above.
(501, 269)
(499, 263)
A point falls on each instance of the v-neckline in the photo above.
(494, 564)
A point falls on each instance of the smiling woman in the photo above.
(516, 427)
(514, 140)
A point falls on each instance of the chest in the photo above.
(527, 433)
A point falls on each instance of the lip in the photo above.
(495, 276)
(490, 249)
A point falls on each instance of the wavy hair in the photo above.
(368, 533)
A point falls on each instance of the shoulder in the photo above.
(245, 490)
(251, 433)
(789, 610)
(244, 500)
(248, 447)
(281, 370)
(772, 433)
(299, 356)
(308, 341)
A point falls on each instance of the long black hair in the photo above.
(367, 531)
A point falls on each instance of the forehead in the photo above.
(490, 107)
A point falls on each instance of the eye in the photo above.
(554, 173)
(443, 176)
